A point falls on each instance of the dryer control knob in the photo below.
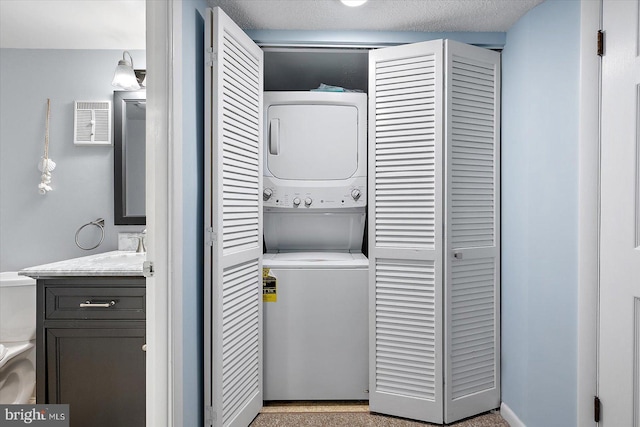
(308, 201)
(296, 201)
(266, 194)
(355, 193)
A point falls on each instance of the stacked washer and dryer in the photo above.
(315, 198)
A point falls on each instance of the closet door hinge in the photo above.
(147, 269)
(210, 237)
(600, 43)
(209, 416)
(596, 409)
(211, 57)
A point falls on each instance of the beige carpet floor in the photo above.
(349, 414)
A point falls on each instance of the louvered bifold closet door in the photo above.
(405, 231)
(472, 264)
(233, 278)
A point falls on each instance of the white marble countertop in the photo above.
(114, 263)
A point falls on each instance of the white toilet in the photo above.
(17, 338)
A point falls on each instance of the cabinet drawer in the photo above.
(112, 303)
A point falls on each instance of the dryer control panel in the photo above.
(309, 196)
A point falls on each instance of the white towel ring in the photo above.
(98, 223)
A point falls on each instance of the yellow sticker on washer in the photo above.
(269, 286)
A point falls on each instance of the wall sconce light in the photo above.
(353, 3)
(124, 76)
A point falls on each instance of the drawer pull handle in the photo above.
(89, 304)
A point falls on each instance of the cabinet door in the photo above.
(100, 373)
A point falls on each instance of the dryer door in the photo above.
(312, 142)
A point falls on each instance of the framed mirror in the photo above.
(129, 110)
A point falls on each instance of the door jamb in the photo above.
(164, 383)
(588, 211)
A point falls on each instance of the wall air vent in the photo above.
(92, 123)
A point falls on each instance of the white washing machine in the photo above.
(316, 304)
(316, 328)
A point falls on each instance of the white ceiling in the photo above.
(120, 24)
(72, 24)
(380, 15)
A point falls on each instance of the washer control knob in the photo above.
(355, 193)
(266, 194)
(308, 201)
(296, 201)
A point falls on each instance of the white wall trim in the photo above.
(160, 250)
(175, 179)
(588, 211)
(510, 416)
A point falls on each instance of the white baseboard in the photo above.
(510, 416)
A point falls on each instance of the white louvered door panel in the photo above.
(405, 231)
(233, 218)
(472, 264)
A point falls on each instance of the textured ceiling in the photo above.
(120, 24)
(380, 15)
(72, 24)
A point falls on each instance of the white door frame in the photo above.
(164, 383)
(588, 210)
(164, 214)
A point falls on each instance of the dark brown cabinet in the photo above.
(90, 349)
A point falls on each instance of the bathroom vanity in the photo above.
(90, 340)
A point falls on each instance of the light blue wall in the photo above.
(540, 214)
(193, 12)
(37, 229)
